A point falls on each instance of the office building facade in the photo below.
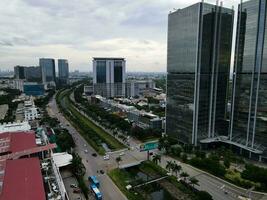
(248, 124)
(198, 64)
(109, 77)
(63, 71)
(19, 72)
(33, 74)
(48, 70)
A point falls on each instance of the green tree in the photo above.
(203, 195)
(169, 166)
(227, 162)
(184, 175)
(77, 166)
(184, 157)
(193, 181)
(156, 159)
(176, 168)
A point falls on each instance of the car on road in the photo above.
(76, 190)
(84, 145)
(85, 151)
(94, 154)
(102, 171)
(122, 154)
(73, 185)
(106, 157)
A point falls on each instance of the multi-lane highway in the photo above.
(92, 164)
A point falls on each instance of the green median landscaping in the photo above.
(93, 134)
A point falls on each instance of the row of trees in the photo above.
(78, 169)
(64, 140)
(7, 98)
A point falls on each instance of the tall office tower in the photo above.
(198, 64)
(48, 70)
(63, 71)
(109, 76)
(19, 72)
(33, 74)
(248, 125)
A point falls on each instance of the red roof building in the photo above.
(14, 142)
(23, 180)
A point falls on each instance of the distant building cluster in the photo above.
(34, 80)
(140, 118)
(198, 66)
(109, 80)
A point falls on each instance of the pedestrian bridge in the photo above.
(151, 181)
(132, 164)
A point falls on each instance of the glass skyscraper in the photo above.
(109, 76)
(198, 64)
(248, 125)
(63, 71)
(48, 70)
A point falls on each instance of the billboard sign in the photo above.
(149, 146)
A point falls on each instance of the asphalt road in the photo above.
(219, 189)
(93, 164)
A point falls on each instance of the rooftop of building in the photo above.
(108, 58)
(14, 127)
(11, 142)
(23, 180)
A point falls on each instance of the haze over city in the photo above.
(79, 30)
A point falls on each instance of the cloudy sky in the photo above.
(81, 29)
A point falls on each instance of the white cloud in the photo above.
(80, 29)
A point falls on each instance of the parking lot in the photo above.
(69, 179)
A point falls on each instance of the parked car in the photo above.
(106, 157)
(73, 185)
(122, 154)
(85, 151)
(76, 190)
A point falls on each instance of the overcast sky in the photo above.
(78, 30)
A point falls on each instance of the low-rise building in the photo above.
(138, 87)
(15, 127)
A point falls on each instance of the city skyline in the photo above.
(137, 32)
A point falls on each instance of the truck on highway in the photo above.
(94, 180)
(97, 193)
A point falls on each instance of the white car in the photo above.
(122, 154)
(85, 151)
(106, 157)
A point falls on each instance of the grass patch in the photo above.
(235, 177)
(152, 169)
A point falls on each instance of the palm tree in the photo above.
(78, 167)
(184, 175)
(176, 168)
(118, 160)
(169, 165)
(193, 181)
(156, 158)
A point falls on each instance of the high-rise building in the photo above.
(198, 64)
(63, 71)
(248, 124)
(48, 70)
(33, 74)
(19, 72)
(109, 76)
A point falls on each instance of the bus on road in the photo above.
(94, 180)
(96, 192)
